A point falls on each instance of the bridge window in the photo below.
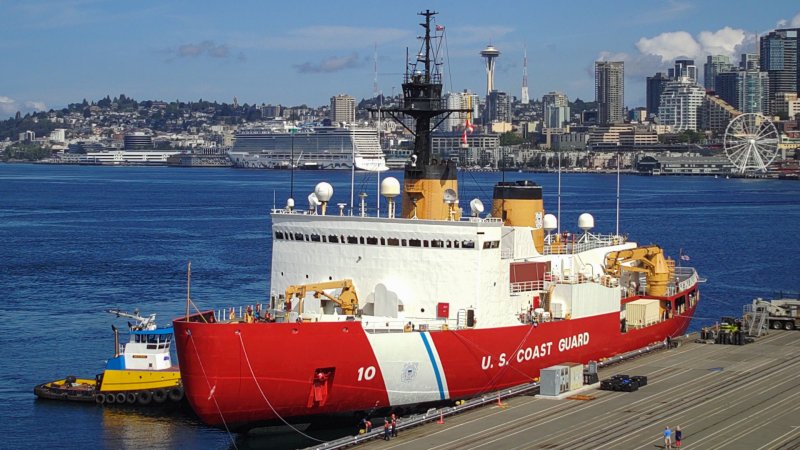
(298, 236)
(372, 241)
(333, 239)
(383, 241)
(361, 240)
(279, 235)
(394, 242)
(352, 240)
(315, 238)
(437, 243)
(414, 243)
(468, 244)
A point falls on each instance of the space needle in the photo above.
(490, 53)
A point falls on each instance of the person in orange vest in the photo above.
(394, 425)
(386, 429)
(232, 314)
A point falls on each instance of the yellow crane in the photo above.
(657, 269)
(347, 299)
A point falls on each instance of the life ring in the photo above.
(120, 397)
(130, 398)
(144, 397)
(110, 399)
(159, 396)
(99, 399)
(176, 394)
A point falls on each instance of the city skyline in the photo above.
(60, 52)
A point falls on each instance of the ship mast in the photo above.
(427, 179)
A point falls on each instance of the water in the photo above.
(77, 240)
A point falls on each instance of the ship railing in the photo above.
(550, 278)
(568, 244)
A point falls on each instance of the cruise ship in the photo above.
(322, 147)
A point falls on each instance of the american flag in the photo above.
(439, 27)
(684, 257)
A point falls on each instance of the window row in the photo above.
(392, 242)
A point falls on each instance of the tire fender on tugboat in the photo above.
(159, 396)
(99, 399)
(176, 394)
(144, 397)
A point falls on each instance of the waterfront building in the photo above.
(655, 87)
(620, 134)
(680, 104)
(137, 141)
(570, 141)
(127, 157)
(715, 65)
(779, 60)
(343, 109)
(481, 148)
(716, 114)
(685, 165)
(555, 106)
(745, 90)
(609, 90)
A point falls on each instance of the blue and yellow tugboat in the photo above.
(140, 373)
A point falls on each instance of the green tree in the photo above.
(510, 138)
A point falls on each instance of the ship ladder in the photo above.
(264, 396)
(211, 391)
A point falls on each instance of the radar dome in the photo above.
(550, 222)
(585, 222)
(290, 203)
(476, 206)
(324, 191)
(390, 187)
(313, 200)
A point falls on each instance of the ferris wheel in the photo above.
(751, 142)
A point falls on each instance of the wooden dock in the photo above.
(722, 396)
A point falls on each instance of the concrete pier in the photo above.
(722, 396)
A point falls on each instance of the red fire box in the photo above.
(443, 310)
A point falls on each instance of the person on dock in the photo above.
(394, 425)
(369, 425)
(667, 438)
(386, 430)
(678, 436)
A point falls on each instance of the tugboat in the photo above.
(140, 373)
(426, 304)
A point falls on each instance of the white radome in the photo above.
(390, 187)
(476, 206)
(585, 221)
(324, 191)
(550, 222)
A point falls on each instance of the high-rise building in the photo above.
(680, 104)
(749, 61)
(715, 64)
(498, 107)
(745, 90)
(343, 109)
(609, 91)
(684, 68)
(490, 54)
(655, 87)
(460, 100)
(556, 109)
(779, 59)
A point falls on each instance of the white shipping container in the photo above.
(639, 313)
(575, 375)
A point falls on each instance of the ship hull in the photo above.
(247, 374)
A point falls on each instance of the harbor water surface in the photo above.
(77, 240)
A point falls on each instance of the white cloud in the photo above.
(721, 42)
(670, 45)
(9, 106)
(791, 23)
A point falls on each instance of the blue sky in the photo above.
(54, 52)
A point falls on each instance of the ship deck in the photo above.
(720, 395)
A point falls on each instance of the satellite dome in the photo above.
(313, 200)
(585, 222)
(390, 187)
(550, 222)
(324, 191)
(290, 203)
(476, 206)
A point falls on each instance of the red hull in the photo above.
(247, 374)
